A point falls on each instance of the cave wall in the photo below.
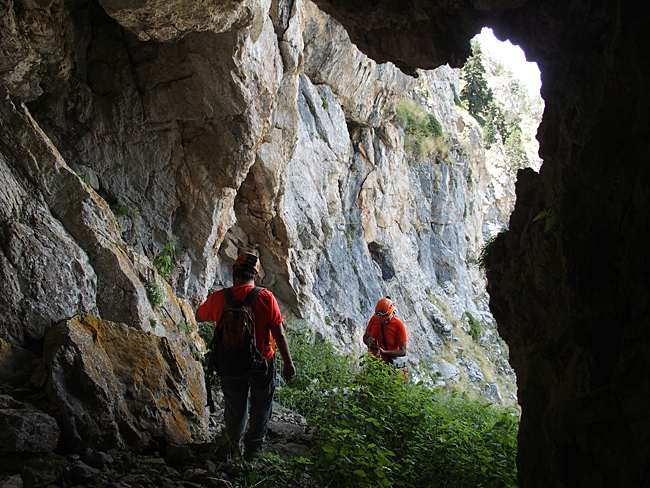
(573, 300)
(568, 280)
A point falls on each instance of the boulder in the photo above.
(117, 387)
(25, 430)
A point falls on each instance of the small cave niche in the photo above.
(380, 255)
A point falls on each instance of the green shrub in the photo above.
(485, 251)
(319, 368)
(548, 216)
(156, 292)
(416, 120)
(165, 262)
(474, 327)
(385, 431)
(457, 101)
(422, 129)
(120, 210)
(374, 428)
(185, 327)
(206, 331)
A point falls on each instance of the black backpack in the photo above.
(233, 351)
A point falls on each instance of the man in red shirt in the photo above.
(268, 321)
(385, 335)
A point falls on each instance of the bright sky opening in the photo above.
(513, 58)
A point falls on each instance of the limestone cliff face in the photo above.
(342, 216)
(252, 125)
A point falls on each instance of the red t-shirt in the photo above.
(394, 331)
(267, 313)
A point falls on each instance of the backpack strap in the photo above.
(227, 293)
(250, 298)
(383, 336)
(252, 295)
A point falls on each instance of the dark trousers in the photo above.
(236, 394)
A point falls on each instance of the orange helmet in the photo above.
(385, 308)
(248, 259)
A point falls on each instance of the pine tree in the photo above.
(476, 92)
(495, 121)
(514, 149)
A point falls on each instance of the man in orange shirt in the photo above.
(268, 321)
(385, 334)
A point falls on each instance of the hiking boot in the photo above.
(251, 453)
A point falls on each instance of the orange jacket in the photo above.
(395, 333)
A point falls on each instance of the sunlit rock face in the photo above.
(568, 281)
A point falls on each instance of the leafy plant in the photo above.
(474, 327)
(120, 210)
(156, 292)
(185, 327)
(469, 179)
(485, 251)
(422, 129)
(321, 368)
(349, 236)
(206, 331)
(382, 430)
(165, 261)
(153, 322)
(374, 428)
(415, 120)
(548, 216)
(457, 101)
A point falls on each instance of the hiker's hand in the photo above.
(289, 371)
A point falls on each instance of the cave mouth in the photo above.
(513, 57)
(502, 91)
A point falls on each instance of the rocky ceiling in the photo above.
(569, 281)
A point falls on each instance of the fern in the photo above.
(548, 216)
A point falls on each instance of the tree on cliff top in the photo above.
(476, 92)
